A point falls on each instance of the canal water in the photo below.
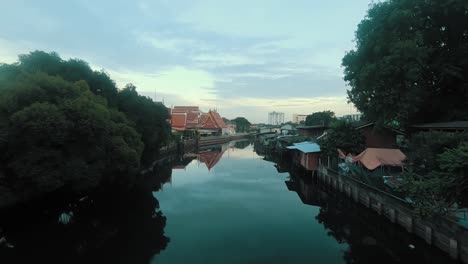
(231, 205)
(223, 204)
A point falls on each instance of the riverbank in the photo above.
(445, 233)
(442, 232)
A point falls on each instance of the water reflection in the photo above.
(370, 238)
(211, 155)
(224, 204)
(242, 144)
(109, 226)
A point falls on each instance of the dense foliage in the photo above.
(149, 117)
(410, 64)
(439, 172)
(63, 125)
(242, 124)
(342, 136)
(320, 118)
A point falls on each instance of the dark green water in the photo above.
(225, 204)
(241, 211)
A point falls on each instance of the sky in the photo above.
(243, 57)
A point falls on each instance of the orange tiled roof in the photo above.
(218, 119)
(185, 109)
(178, 120)
(192, 120)
(211, 120)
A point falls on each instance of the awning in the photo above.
(372, 158)
(306, 147)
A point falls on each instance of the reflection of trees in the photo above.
(119, 227)
(371, 238)
(242, 144)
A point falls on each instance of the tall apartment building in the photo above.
(275, 118)
(297, 118)
(351, 118)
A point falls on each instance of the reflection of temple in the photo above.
(183, 162)
(210, 155)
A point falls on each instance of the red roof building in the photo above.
(212, 120)
(190, 117)
(184, 117)
(185, 109)
(178, 121)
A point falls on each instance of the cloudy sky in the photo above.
(242, 57)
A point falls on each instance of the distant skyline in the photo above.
(244, 58)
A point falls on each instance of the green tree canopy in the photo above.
(63, 125)
(342, 136)
(438, 172)
(320, 118)
(410, 63)
(72, 70)
(59, 134)
(242, 124)
(150, 118)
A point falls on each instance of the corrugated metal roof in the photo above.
(448, 125)
(302, 143)
(311, 127)
(306, 147)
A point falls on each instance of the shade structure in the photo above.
(306, 147)
(372, 158)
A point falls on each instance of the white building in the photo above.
(275, 118)
(298, 118)
(352, 118)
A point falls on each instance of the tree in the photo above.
(65, 126)
(150, 118)
(410, 61)
(438, 172)
(59, 134)
(72, 70)
(320, 118)
(242, 124)
(341, 136)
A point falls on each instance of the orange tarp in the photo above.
(372, 158)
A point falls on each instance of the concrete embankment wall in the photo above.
(193, 144)
(442, 233)
(207, 141)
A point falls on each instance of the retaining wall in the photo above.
(443, 233)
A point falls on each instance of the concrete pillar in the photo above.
(392, 215)
(367, 202)
(340, 186)
(410, 223)
(453, 248)
(356, 195)
(379, 208)
(428, 235)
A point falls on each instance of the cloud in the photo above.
(189, 84)
(215, 60)
(244, 57)
(264, 75)
(173, 44)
